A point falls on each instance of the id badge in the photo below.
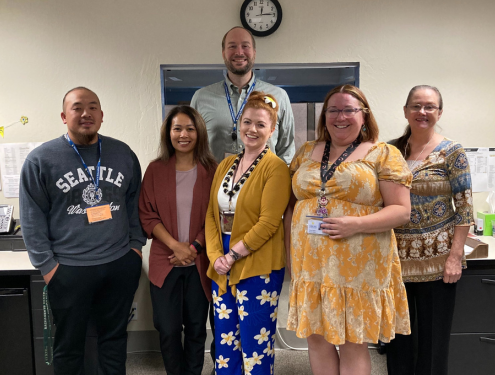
(99, 213)
(314, 225)
(227, 221)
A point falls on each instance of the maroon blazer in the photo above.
(157, 204)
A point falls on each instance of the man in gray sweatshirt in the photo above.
(79, 215)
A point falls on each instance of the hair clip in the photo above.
(269, 100)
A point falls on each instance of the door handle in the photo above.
(487, 281)
(487, 340)
(12, 292)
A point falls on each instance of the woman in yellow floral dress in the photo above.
(346, 286)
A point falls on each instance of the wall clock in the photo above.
(261, 17)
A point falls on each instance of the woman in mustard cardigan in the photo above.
(245, 244)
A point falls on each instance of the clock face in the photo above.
(261, 17)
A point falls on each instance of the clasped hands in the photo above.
(224, 263)
(184, 254)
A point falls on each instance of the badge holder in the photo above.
(314, 221)
(227, 221)
(314, 224)
(99, 213)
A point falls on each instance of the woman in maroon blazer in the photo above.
(172, 208)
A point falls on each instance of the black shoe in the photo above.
(382, 347)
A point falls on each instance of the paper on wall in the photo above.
(482, 166)
(12, 156)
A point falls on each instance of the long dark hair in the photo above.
(371, 133)
(202, 153)
(401, 142)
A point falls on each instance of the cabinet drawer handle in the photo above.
(12, 292)
(487, 340)
(488, 281)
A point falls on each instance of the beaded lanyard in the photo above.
(325, 174)
(233, 170)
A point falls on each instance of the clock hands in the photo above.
(264, 14)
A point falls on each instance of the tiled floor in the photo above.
(287, 362)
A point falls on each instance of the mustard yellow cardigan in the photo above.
(258, 221)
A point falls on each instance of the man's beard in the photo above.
(86, 139)
(239, 71)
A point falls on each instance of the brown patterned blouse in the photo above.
(424, 243)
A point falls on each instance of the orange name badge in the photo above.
(99, 213)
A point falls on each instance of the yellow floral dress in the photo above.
(349, 289)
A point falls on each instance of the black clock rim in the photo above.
(256, 32)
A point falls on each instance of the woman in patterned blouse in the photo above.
(431, 245)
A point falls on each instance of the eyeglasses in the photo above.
(347, 112)
(418, 107)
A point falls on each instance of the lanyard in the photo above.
(235, 188)
(327, 174)
(97, 182)
(235, 117)
(47, 328)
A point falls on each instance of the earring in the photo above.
(363, 128)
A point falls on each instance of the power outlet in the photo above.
(134, 311)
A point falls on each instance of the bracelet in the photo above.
(246, 245)
(235, 255)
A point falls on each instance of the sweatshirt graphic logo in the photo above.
(91, 196)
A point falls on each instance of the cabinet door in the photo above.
(15, 332)
(475, 304)
(472, 354)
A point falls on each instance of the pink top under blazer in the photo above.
(157, 204)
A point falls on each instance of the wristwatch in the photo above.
(197, 246)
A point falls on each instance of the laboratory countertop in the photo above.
(17, 262)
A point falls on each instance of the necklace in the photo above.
(415, 163)
(233, 170)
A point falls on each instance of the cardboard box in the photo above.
(480, 249)
(487, 218)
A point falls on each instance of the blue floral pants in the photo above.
(250, 318)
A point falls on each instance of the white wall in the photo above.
(115, 48)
